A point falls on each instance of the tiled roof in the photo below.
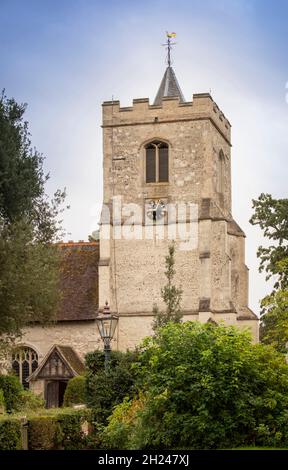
(79, 281)
(72, 359)
(73, 365)
(169, 87)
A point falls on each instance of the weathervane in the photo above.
(169, 45)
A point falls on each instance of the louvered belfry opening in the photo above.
(157, 162)
(163, 163)
(151, 163)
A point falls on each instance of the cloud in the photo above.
(64, 61)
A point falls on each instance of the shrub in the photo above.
(60, 429)
(106, 389)
(43, 433)
(75, 391)
(10, 434)
(206, 387)
(122, 424)
(28, 401)
(11, 388)
(2, 402)
(70, 423)
(67, 429)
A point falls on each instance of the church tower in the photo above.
(167, 176)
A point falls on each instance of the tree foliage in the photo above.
(204, 387)
(274, 325)
(12, 390)
(106, 389)
(170, 294)
(29, 224)
(272, 217)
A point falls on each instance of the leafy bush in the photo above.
(66, 429)
(205, 386)
(122, 427)
(12, 389)
(70, 422)
(28, 401)
(43, 433)
(2, 402)
(75, 391)
(10, 434)
(106, 389)
(16, 398)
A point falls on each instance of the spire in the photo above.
(169, 85)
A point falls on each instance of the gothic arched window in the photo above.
(220, 172)
(24, 362)
(157, 162)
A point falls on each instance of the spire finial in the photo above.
(169, 45)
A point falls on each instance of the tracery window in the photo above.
(157, 162)
(24, 362)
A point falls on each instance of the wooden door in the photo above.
(52, 394)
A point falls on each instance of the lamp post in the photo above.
(107, 323)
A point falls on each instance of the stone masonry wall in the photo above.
(82, 336)
(132, 271)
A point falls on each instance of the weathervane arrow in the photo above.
(169, 45)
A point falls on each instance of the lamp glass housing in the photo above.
(107, 325)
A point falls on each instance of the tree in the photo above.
(29, 226)
(94, 237)
(107, 388)
(272, 217)
(204, 386)
(274, 324)
(170, 294)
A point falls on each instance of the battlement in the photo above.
(142, 112)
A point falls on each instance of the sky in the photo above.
(65, 57)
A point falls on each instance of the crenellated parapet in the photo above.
(142, 112)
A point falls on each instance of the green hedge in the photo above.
(11, 390)
(43, 433)
(70, 423)
(52, 429)
(58, 430)
(75, 391)
(10, 434)
(2, 402)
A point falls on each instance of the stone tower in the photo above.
(167, 175)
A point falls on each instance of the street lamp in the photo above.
(107, 323)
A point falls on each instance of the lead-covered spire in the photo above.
(169, 85)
